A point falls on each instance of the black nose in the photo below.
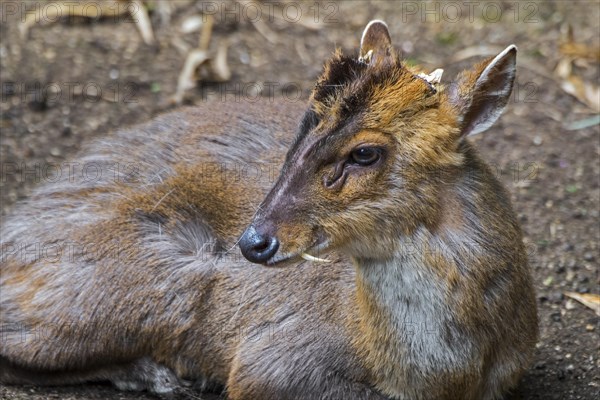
(258, 247)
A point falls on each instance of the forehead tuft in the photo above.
(349, 87)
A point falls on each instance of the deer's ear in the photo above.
(376, 44)
(481, 94)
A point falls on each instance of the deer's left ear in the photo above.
(481, 94)
(376, 45)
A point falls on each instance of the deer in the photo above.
(383, 260)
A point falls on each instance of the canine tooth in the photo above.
(308, 257)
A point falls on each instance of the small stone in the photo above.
(570, 368)
(588, 256)
(577, 214)
(537, 140)
(55, 151)
(590, 327)
(50, 54)
(540, 365)
(523, 217)
(66, 131)
(114, 73)
(570, 305)
(555, 316)
(556, 297)
(568, 247)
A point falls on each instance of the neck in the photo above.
(407, 326)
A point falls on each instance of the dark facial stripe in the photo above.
(346, 86)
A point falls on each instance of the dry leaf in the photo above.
(259, 24)
(190, 24)
(142, 21)
(564, 68)
(587, 93)
(569, 48)
(53, 13)
(187, 78)
(264, 30)
(583, 123)
(164, 9)
(580, 50)
(219, 65)
(201, 55)
(89, 9)
(587, 299)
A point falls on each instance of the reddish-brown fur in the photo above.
(427, 294)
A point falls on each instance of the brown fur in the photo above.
(428, 294)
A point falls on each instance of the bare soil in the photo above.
(551, 171)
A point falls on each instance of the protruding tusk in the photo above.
(308, 257)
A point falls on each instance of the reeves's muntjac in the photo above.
(392, 263)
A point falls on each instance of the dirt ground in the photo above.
(96, 75)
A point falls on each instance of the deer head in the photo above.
(374, 147)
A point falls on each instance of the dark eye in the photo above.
(365, 156)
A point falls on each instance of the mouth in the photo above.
(311, 254)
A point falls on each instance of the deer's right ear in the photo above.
(481, 94)
(376, 44)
